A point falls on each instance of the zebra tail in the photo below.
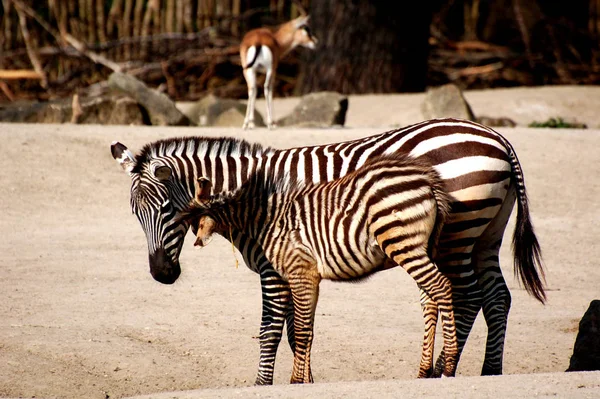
(443, 201)
(526, 249)
(258, 47)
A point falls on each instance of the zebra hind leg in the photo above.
(438, 288)
(430, 314)
(496, 306)
(496, 296)
(467, 298)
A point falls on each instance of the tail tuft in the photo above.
(527, 252)
(258, 48)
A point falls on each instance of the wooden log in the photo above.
(17, 74)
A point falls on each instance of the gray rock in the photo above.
(110, 110)
(104, 110)
(321, 109)
(224, 112)
(161, 110)
(36, 112)
(586, 352)
(495, 122)
(446, 101)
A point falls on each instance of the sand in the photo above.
(81, 316)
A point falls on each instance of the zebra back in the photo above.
(250, 207)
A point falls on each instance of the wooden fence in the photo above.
(97, 23)
(190, 45)
(49, 36)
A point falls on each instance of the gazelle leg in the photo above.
(430, 315)
(250, 76)
(269, 97)
(305, 293)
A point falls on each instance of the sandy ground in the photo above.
(521, 104)
(80, 315)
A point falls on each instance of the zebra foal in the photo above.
(388, 212)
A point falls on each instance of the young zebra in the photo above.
(388, 212)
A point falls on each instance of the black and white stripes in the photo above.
(387, 213)
(478, 169)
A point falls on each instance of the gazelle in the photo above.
(261, 49)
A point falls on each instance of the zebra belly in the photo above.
(353, 262)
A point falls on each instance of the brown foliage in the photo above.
(188, 47)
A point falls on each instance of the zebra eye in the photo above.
(165, 205)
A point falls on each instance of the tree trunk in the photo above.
(367, 46)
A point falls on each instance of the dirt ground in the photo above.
(80, 315)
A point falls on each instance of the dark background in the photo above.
(188, 48)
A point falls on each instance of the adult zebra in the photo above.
(479, 168)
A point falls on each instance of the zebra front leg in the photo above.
(289, 322)
(430, 315)
(276, 302)
(305, 294)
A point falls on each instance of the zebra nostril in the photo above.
(162, 269)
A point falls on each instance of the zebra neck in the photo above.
(226, 172)
(250, 212)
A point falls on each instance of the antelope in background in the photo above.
(261, 49)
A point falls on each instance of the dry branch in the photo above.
(35, 61)
(79, 46)
(17, 74)
(6, 90)
(97, 58)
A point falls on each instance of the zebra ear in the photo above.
(162, 173)
(123, 156)
(203, 186)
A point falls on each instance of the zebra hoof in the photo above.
(486, 370)
(261, 381)
(426, 373)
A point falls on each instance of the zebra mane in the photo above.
(253, 193)
(198, 145)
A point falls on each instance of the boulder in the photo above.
(495, 122)
(161, 110)
(586, 352)
(224, 112)
(321, 109)
(446, 101)
(35, 112)
(104, 110)
(110, 110)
